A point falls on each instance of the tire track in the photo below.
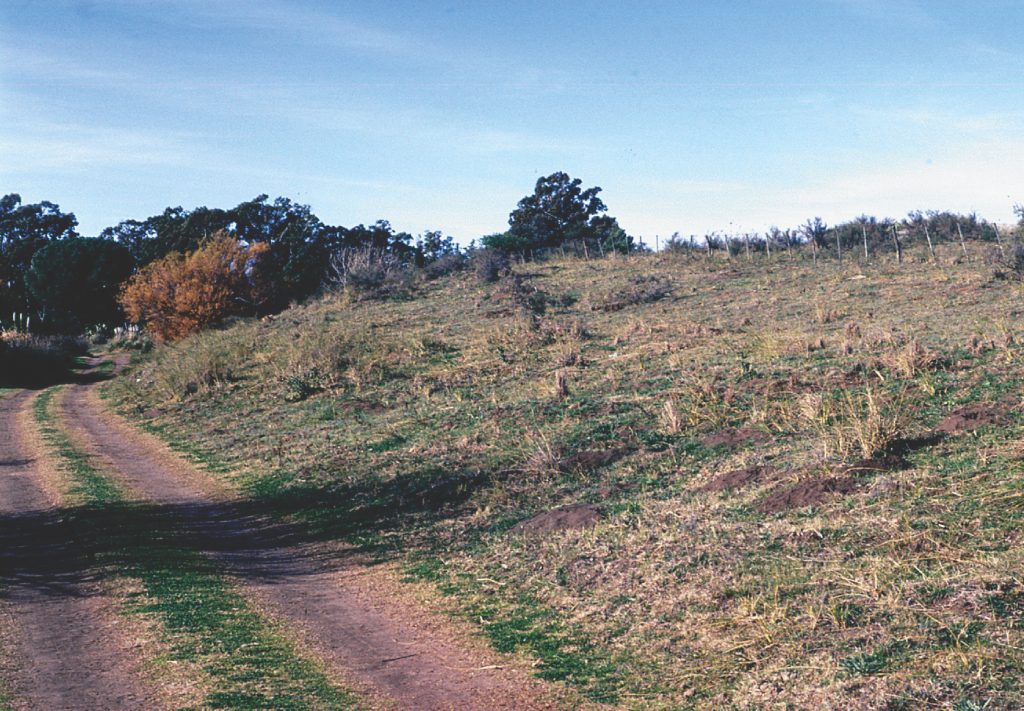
(360, 628)
(67, 651)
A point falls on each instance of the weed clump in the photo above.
(444, 266)
(489, 265)
(641, 290)
(370, 273)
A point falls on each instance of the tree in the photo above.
(24, 230)
(174, 230)
(558, 212)
(183, 293)
(74, 283)
(816, 232)
(433, 245)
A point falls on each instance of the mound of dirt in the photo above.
(560, 519)
(808, 493)
(737, 479)
(971, 417)
(735, 437)
(591, 459)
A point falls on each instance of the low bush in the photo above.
(448, 264)
(370, 273)
(27, 360)
(489, 265)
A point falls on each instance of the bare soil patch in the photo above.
(738, 478)
(560, 519)
(735, 437)
(970, 417)
(591, 459)
(809, 492)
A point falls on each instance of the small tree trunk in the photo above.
(864, 234)
(746, 242)
(928, 236)
(586, 252)
(839, 247)
(963, 245)
(899, 247)
(707, 240)
(768, 246)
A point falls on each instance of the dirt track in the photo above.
(69, 646)
(366, 629)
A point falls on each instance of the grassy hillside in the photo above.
(803, 485)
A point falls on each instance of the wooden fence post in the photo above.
(963, 245)
(927, 236)
(899, 247)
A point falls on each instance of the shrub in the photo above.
(490, 264)
(368, 271)
(443, 266)
(640, 290)
(181, 294)
(27, 360)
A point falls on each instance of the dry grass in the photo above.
(903, 592)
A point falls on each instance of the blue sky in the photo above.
(691, 116)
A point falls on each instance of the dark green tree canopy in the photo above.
(24, 230)
(558, 211)
(74, 282)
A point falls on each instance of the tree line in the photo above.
(183, 269)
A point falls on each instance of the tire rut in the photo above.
(67, 652)
(360, 628)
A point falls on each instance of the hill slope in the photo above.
(785, 484)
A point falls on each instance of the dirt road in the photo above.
(363, 625)
(69, 647)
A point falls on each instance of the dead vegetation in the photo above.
(767, 485)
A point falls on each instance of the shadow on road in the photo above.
(58, 551)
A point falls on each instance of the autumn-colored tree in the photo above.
(183, 293)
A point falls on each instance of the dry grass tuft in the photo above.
(859, 425)
(909, 360)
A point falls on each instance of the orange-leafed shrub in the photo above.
(183, 293)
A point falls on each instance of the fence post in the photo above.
(963, 245)
(928, 237)
(899, 247)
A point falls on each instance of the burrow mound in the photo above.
(809, 492)
(738, 478)
(735, 437)
(591, 459)
(560, 519)
(971, 417)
